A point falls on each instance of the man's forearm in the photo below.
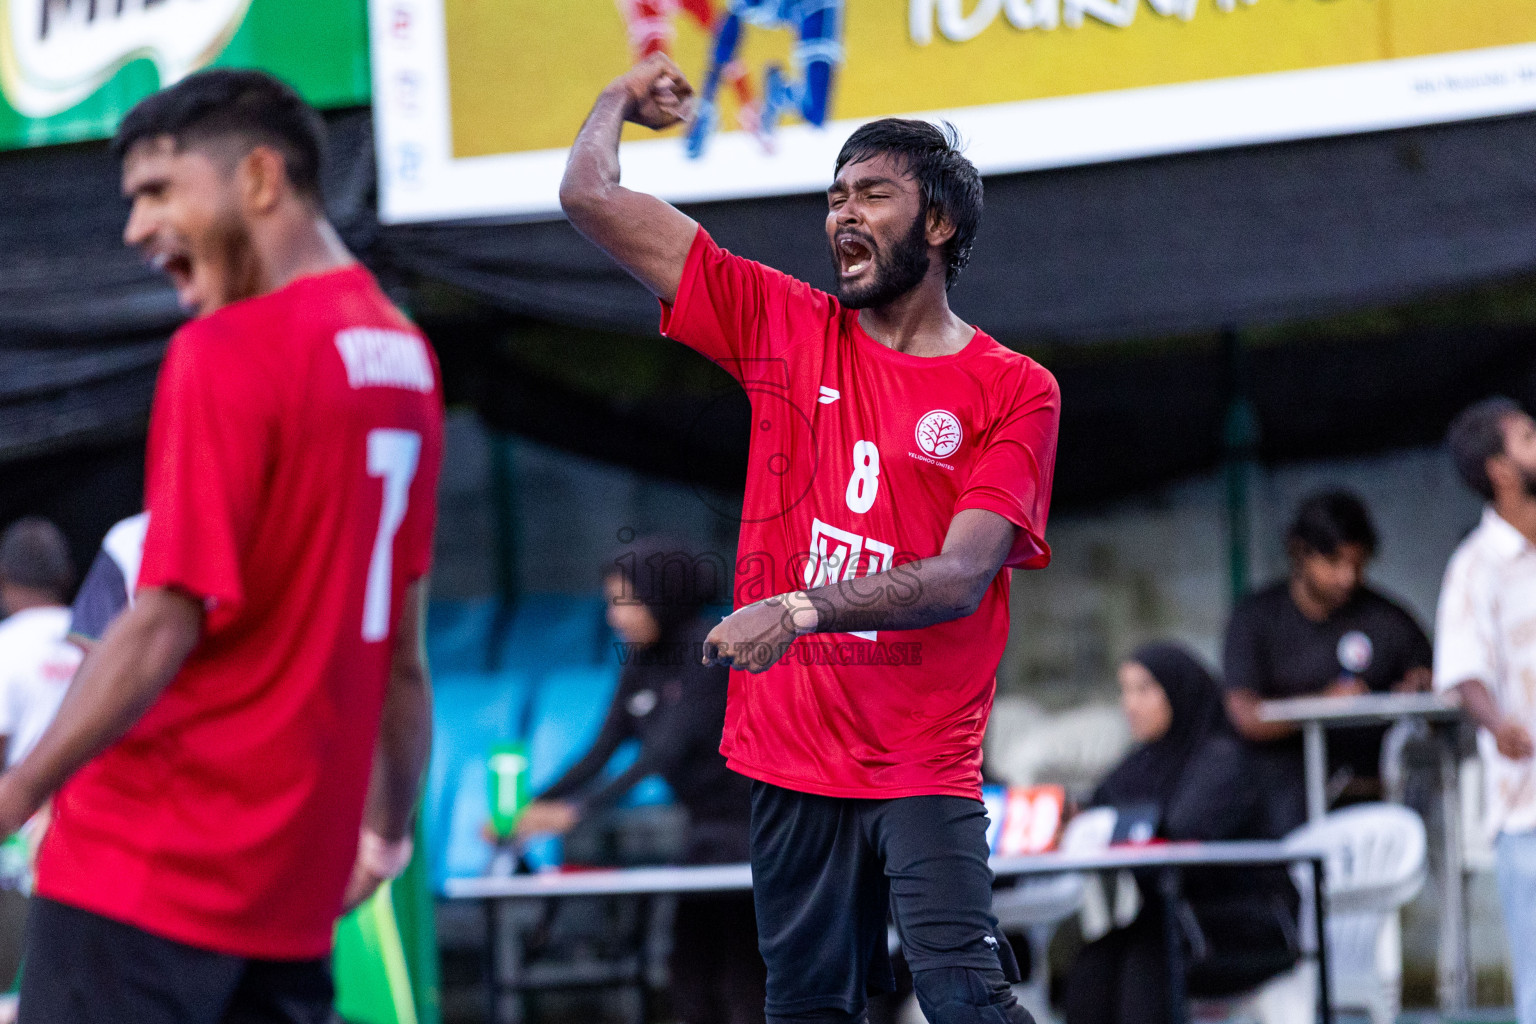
(649, 238)
(941, 588)
(1479, 704)
(115, 685)
(593, 164)
(910, 596)
(1243, 712)
(400, 760)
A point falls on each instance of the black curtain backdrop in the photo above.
(1130, 422)
(1072, 265)
(83, 322)
(1147, 248)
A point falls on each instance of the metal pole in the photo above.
(1239, 441)
(1454, 972)
(643, 980)
(507, 536)
(1315, 768)
(1320, 923)
(504, 513)
(1178, 1003)
(491, 960)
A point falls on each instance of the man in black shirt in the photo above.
(1322, 632)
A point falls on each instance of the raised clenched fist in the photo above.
(659, 94)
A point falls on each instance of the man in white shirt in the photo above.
(1485, 651)
(35, 580)
(28, 701)
(36, 665)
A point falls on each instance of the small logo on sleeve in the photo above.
(828, 395)
(939, 434)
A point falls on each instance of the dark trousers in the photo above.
(717, 974)
(828, 871)
(86, 969)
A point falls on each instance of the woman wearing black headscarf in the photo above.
(1193, 779)
(675, 706)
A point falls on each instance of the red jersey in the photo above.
(860, 458)
(294, 449)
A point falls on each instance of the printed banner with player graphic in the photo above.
(476, 101)
(70, 69)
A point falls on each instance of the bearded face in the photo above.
(877, 230)
(870, 275)
(1519, 432)
(1528, 478)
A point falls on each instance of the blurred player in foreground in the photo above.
(237, 759)
(900, 460)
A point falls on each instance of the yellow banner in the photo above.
(522, 74)
(476, 101)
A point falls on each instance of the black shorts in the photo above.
(828, 872)
(83, 968)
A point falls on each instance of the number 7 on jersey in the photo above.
(393, 456)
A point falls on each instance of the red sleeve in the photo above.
(738, 312)
(1012, 473)
(212, 438)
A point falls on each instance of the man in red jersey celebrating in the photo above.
(238, 758)
(900, 460)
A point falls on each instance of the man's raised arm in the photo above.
(646, 236)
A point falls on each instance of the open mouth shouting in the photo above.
(855, 254)
(175, 264)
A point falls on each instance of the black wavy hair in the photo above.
(1328, 520)
(931, 154)
(228, 103)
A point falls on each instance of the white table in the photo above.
(1315, 715)
(1169, 861)
(607, 882)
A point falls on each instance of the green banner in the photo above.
(70, 69)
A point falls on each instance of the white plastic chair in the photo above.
(1375, 857)
(1037, 906)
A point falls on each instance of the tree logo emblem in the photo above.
(939, 434)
